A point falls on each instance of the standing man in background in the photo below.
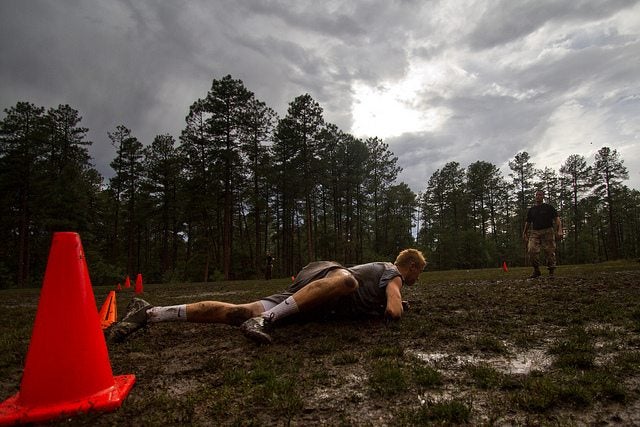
(269, 267)
(541, 229)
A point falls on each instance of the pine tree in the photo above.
(382, 171)
(608, 174)
(575, 174)
(125, 186)
(23, 144)
(162, 178)
(202, 190)
(227, 104)
(297, 161)
(259, 131)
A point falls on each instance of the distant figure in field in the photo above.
(269, 267)
(541, 229)
(321, 290)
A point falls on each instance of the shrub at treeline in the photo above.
(241, 182)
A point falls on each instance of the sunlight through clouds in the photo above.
(384, 112)
(395, 108)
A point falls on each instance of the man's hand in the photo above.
(525, 236)
(559, 236)
(393, 313)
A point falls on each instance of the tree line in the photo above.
(474, 217)
(240, 182)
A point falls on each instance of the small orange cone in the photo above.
(504, 266)
(67, 368)
(119, 287)
(138, 288)
(127, 282)
(109, 311)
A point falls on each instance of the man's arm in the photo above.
(525, 231)
(559, 234)
(394, 298)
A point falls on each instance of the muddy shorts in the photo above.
(311, 272)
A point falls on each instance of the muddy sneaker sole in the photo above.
(256, 329)
(135, 319)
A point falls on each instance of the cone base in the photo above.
(12, 411)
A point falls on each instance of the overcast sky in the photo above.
(439, 81)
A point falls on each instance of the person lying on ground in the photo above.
(321, 290)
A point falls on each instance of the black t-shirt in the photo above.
(541, 216)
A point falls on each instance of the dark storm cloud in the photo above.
(320, 17)
(506, 20)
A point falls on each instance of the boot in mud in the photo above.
(536, 273)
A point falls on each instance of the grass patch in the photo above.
(386, 352)
(446, 412)
(575, 351)
(426, 376)
(572, 388)
(282, 395)
(485, 376)
(489, 344)
(387, 378)
(538, 394)
(345, 359)
(626, 363)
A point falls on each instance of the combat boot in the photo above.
(536, 273)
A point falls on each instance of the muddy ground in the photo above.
(490, 351)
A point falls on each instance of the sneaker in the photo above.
(257, 329)
(135, 319)
(137, 311)
(536, 273)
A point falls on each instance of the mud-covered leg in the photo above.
(222, 312)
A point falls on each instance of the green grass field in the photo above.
(479, 347)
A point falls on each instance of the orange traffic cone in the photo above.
(138, 288)
(109, 311)
(119, 287)
(127, 282)
(67, 368)
(504, 266)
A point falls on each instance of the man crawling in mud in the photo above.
(322, 290)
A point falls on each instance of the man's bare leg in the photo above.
(140, 312)
(206, 312)
(222, 312)
(336, 283)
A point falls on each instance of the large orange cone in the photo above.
(67, 368)
(109, 311)
(127, 282)
(138, 288)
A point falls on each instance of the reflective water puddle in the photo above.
(519, 363)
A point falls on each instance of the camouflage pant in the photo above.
(542, 239)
